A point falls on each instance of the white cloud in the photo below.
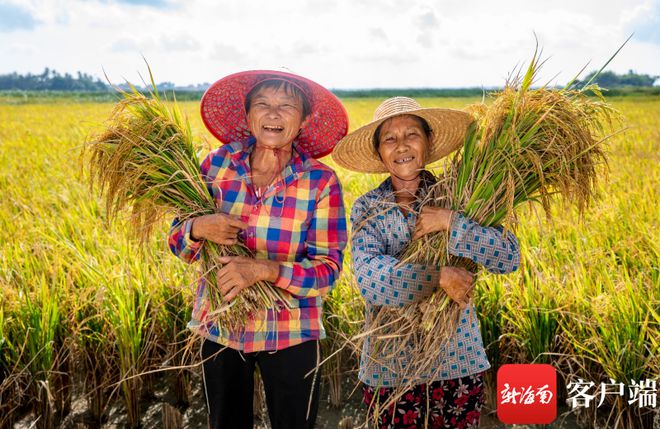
(228, 53)
(131, 44)
(427, 20)
(340, 43)
(644, 21)
(378, 34)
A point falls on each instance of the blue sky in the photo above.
(339, 43)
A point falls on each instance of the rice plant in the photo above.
(15, 379)
(171, 317)
(127, 314)
(614, 341)
(98, 356)
(39, 322)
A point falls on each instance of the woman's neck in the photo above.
(405, 191)
(266, 163)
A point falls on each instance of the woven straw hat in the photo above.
(223, 110)
(356, 151)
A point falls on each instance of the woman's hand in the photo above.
(218, 228)
(241, 272)
(432, 219)
(458, 283)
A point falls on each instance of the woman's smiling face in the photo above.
(403, 146)
(275, 117)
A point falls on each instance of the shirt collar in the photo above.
(386, 190)
(298, 163)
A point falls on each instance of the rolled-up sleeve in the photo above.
(180, 242)
(316, 273)
(490, 247)
(380, 277)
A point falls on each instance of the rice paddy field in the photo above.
(87, 312)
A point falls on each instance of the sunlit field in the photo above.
(86, 311)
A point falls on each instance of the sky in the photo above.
(341, 44)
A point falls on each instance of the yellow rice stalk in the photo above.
(145, 160)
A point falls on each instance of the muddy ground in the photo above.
(159, 406)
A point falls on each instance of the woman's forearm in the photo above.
(487, 246)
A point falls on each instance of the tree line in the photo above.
(608, 79)
(51, 80)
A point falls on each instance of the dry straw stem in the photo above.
(145, 160)
(528, 145)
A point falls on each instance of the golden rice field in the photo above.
(86, 311)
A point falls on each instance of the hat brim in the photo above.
(356, 151)
(223, 111)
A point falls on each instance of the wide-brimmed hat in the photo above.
(223, 110)
(356, 151)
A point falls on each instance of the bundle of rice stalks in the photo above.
(145, 160)
(528, 145)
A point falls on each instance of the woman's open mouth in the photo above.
(273, 128)
(404, 160)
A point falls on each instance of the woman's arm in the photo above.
(380, 278)
(487, 246)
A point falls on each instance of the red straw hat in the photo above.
(223, 111)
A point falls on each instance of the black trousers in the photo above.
(229, 385)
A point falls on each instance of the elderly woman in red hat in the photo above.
(401, 140)
(287, 207)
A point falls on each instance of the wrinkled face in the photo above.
(403, 145)
(275, 117)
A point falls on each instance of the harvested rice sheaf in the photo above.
(527, 145)
(145, 161)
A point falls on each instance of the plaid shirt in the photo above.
(380, 232)
(298, 221)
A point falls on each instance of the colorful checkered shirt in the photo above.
(299, 221)
(380, 232)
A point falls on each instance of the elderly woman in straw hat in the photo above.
(272, 194)
(401, 140)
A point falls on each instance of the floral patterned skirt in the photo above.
(444, 404)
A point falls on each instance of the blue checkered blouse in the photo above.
(380, 232)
